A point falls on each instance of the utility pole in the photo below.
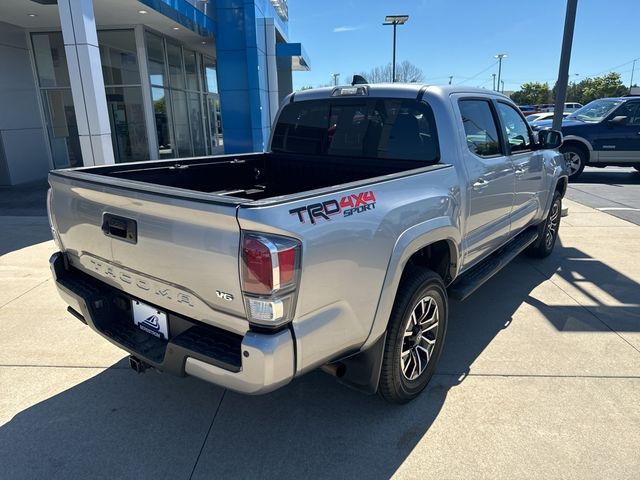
(502, 86)
(450, 79)
(499, 56)
(494, 81)
(565, 59)
(335, 78)
(633, 69)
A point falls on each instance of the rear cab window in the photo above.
(401, 129)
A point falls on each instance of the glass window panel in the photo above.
(161, 110)
(181, 123)
(210, 76)
(480, 128)
(514, 128)
(359, 127)
(62, 128)
(191, 69)
(212, 133)
(176, 70)
(128, 130)
(119, 57)
(197, 128)
(155, 56)
(215, 120)
(51, 61)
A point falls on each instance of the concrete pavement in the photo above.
(540, 378)
(613, 190)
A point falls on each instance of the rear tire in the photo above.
(576, 159)
(415, 336)
(548, 230)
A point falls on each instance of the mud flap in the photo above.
(362, 371)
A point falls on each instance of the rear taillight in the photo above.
(270, 267)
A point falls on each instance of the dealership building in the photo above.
(87, 82)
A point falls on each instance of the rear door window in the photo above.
(359, 127)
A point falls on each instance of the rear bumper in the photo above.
(254, 363)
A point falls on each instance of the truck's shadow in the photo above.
(118, 425)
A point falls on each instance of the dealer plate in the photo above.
(149, 319)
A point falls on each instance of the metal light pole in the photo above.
(499, 56)
(395, 20)
(494, 81)
(502, 86)
(335, 78)
(565, 59)
(450, 79)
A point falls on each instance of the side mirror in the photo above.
(549, 139)
(619, 120)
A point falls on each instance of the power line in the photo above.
(479, 73)
(607, 70)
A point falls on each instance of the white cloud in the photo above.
(347, 29)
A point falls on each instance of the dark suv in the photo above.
(602, 133)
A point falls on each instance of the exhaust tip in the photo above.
(336, 369)
(137, 365)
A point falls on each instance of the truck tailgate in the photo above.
(177, 253)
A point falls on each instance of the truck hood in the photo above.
(566, 122)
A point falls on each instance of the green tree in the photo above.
(532, 93)
(589, 89)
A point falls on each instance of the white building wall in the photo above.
(24, 156)
(87, 83)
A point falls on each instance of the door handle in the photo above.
(121, 228)
(520, 171)
(480, 184)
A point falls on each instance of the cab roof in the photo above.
(392, 90)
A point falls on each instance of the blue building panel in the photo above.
(240, 28)
(185, 14)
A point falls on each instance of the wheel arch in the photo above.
(579, 142)
(433, 244)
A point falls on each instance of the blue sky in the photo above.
(461, 37)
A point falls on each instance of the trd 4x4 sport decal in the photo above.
(347, 206)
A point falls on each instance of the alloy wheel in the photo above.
(552, 225)
(420, 337)
(573, 161)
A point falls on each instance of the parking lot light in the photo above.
(395, 20)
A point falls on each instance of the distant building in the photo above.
(93, 82)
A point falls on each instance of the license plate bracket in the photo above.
(149, 319)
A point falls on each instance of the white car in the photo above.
(535, 117)
(569, 107)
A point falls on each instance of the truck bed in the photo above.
(257, 176)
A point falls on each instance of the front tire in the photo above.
(548, 230)
(576, 159)
(415, 336)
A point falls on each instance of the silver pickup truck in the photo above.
(337, 248)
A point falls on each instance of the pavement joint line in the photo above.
(617, 209)
(195, 465)
(23, 294)
(90, 367)
(536, 375)
(593, 314)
